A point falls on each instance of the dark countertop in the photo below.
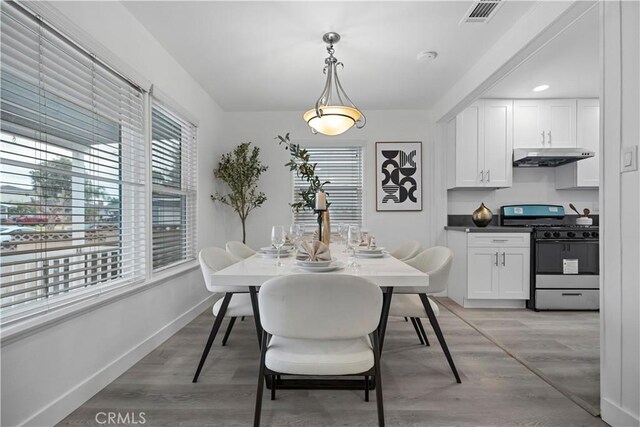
(488, 229)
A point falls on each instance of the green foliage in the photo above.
(241, 170)
(299, 162)
(53, 189)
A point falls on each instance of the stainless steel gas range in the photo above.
(564, 260)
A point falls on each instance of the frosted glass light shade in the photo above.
(334, 121)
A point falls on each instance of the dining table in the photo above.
(386, 271)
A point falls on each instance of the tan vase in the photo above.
(482, 216)
(326, 228)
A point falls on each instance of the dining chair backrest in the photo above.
(239, 249)
(406, 251)
(320, 306)
(213, 259)
(436, 262)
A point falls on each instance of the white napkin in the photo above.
(314, 251)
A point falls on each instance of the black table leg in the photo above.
(386, 305)
(253, 293)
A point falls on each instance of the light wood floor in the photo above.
(563, 345)
(419, 389)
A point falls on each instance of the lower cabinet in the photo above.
(490, 269)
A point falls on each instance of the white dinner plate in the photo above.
(272, 250)
(274, 254)
(305, 263)
(371, 255)
(331, 267)
(364, 249)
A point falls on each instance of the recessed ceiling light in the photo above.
(540, 88)
(427, 55)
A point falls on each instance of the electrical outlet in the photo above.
(629, 159)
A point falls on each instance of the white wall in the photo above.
(50, 372)
(620, 228)
(390, 228)
(530, 185)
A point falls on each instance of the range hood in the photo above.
(548, 157)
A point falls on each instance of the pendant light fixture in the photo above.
(334, 113)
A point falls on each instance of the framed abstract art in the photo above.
(398, 176)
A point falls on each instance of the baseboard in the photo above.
(493, 303)
(57, 410)
(616, 416)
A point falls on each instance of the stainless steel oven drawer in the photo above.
(567, 281)
(568, 299)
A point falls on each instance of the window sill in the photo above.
(21, 328)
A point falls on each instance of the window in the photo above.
(72, 170)
(342, 166)
(174, 176)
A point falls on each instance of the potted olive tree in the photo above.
(241, 170)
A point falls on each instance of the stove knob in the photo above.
(594, 234)
(586, 234)
(547, 234)
(556, 234)
(571, 234)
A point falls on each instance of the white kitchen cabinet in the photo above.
(498, 142)
(544, 123)
(480, 152)
(514, 264)
(490, 269)
(584, 173)
(483, 273)
(498, 272)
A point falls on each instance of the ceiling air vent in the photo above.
(481, 11)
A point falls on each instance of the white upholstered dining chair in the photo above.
(232, 304)
(413, 302)
(239, 249)
(319, 325)
(406, 251)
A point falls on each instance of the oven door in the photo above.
(550, 256)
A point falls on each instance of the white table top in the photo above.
(385, 272)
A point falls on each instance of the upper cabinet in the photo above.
(584, 173)
(480, 144)
(544, 123)
(480, 140)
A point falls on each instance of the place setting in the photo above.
(315, 256)
(369, 249)
(281, 245)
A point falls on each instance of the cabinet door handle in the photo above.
(489, 175)
(482, 176)
(542, 137)
(571, 294)
(496, 259)
(504, 259)
(549, 133)
(498, 240)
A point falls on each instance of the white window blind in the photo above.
(342, 166)
(174, 174)
(72, 167)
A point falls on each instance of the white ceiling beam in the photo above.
(541, 24)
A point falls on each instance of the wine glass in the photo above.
(297, 232)
(344, 234)
(354, 239)
(278, 237)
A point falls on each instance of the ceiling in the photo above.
(266, 56)
(569, 64)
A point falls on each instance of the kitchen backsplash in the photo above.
(534, 185)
